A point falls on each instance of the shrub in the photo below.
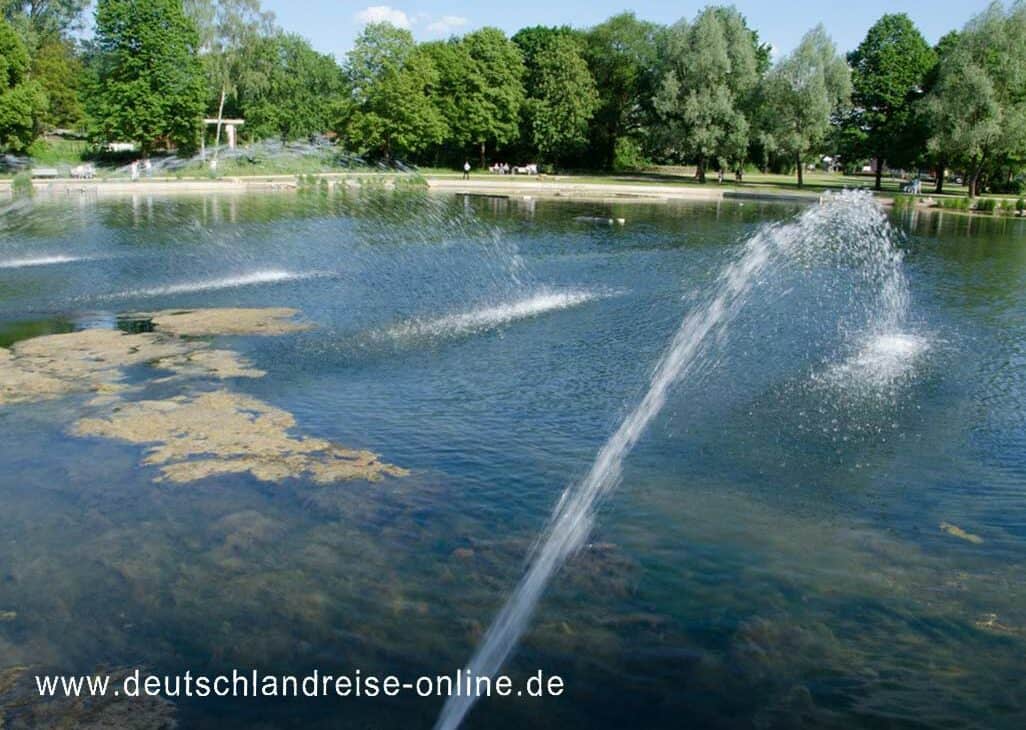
(1020, 205)
(986, 205)
(628, 155)
(21, 185)
(953, 203)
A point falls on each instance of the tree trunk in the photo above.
(879, 173)
(941, 169)
(483, 155)
(220, 116)
(701, 170)
(801, 177)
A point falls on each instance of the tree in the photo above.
(712, 68)
(977, 109)
(804, 92)
(563, 97)
(226, 29)
(889, 70)
(59, 72)
(391, 109)
(150, 83)
(622, 55)
(22, 100)
(481, 88)
(42, 21)
(289, 90)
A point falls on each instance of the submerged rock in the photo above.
(956, 531)
(192, 437)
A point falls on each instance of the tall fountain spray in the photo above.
(849, 221)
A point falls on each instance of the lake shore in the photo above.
(543, 186)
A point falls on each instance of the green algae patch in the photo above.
(189, 437)
(226, 321)
(194, 437)
(44, 368)
(956, 531)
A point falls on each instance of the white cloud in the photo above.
(383, 14)
(446, 24)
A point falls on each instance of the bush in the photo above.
(21, 185)
(1020, 205)
(953, 203)
(904, 202)
(986, 205)
(628, 155)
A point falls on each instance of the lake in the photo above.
(811, 532)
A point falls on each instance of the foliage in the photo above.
(977, 110)
(563, 98)
(390, 109)
(150, 84)
(21, 185)
(59, 72)
(22, 100)
(43, 21)
(622, 54)
(290, 91)
(481, 89)
(889, 70)
(227, 30)
(803, 93)
(712, 68)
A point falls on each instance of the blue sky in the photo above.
(331, 25)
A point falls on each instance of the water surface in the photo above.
(773, 558)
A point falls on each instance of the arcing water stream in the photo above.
(849, 227)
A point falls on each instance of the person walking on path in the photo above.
(466, 169)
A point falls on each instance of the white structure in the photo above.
(229, 126)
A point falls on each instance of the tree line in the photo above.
(704, 91)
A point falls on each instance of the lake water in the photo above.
(814, 532)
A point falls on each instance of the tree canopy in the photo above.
(150, 81)
(804, 92)
(889, 70)
(22, 100)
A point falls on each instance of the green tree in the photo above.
(289, 90)
(804, 92)
(563, 98)
(22, 100)
(391, 109)
(889, 70)
(977, 109)
(150, 85)
(42, 21)
(622, 55)
(59, 71)
(227, 28)
(712, 70)
(481, 81)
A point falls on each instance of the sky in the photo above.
(331, 25)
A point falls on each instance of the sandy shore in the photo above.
(549, 187)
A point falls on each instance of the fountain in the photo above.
(849, 226)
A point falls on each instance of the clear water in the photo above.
(772, 558)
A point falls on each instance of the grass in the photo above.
(55, 152)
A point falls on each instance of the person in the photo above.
(466, 169)
(134, 169)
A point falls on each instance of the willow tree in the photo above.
(712, 69)
(978, 106)
(804, 93)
